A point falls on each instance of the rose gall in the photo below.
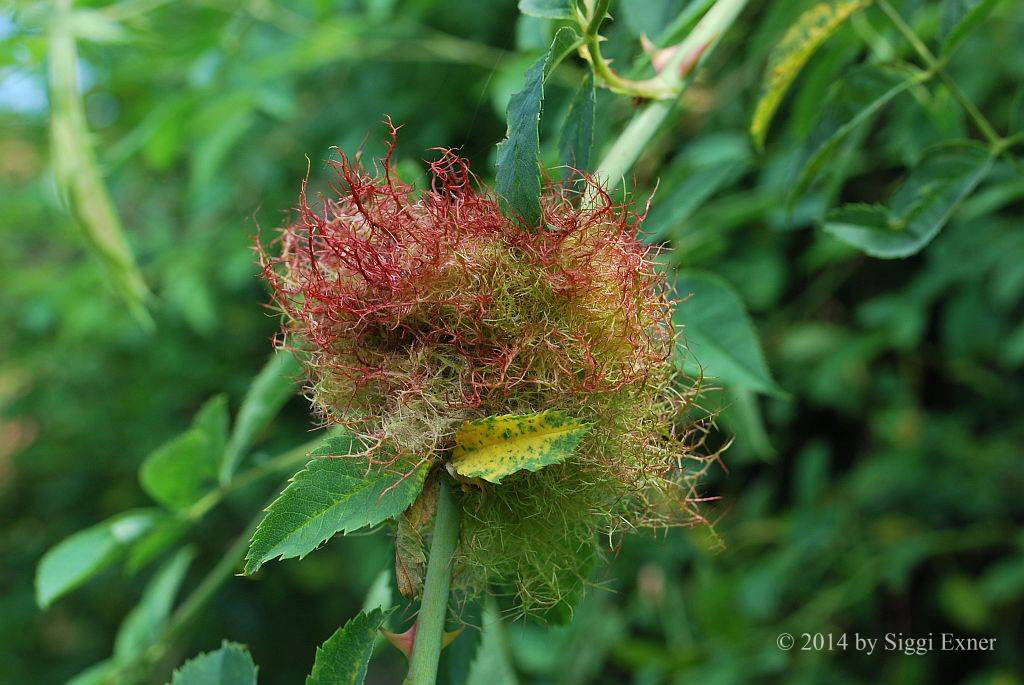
(420, 311)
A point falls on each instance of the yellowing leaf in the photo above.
(791, 54)
(497, 446)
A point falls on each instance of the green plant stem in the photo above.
(627, 148)
(229, 562)
(938, 66)
(434, 606)
(292, 457)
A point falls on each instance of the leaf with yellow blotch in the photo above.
(497, 446)
(791, 54)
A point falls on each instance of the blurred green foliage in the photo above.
(879, 492)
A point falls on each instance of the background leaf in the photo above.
(331, 495)
(720, 339)
(851, 102)
(577, 137)
(919, 209)
(181, 471)
(498, 446)
(959, 17)
(703, 168)
(78, 174)
(158, 540)
(547, 9)
(229, 665)
(492, 662)
(344, 657)
(812, 29)
(102, 673)
(81, 556)
(144, 625)
(270, 390)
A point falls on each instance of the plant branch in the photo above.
(667, 85)
(434, 605)
(938, 66)
(627, 148)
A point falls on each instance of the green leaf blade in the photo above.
(332, 494)
(958, 18)
(924, 204)
(851, 102)
(181, 471)
(84, 554)
(720, 338)
(145, 624)
(155, 542)
(491, 664)
(79, 177)
(785, 62)
(273, 386)
(229, 665)
(345, 656)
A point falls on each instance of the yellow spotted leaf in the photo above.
(791, 54)
(497, 446)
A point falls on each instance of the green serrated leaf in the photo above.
(181, 471)
(335, 494)
(721, 341)
(919, 209)
(791, 54)
(547, 9)
(518, 177)
(577, 137)
(959, 17)
(229, 665)
(144, 625)
(87, 552)
(498, 446)
(344, 657)
(851, 101)
(270, 390)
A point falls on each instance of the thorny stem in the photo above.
(667, 85)
(426, 649)
(627, 148)
(656, 88)
(939, 67)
